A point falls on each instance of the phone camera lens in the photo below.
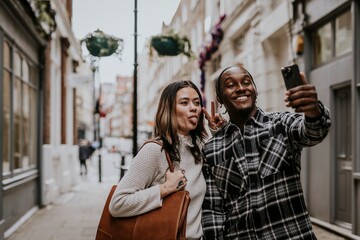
(288, 71)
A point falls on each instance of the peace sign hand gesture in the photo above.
(215, 120)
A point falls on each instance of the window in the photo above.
(333, 39)
(216, 63)
(323, 41)
(241, 40)
(6, 107)
(20, 115)
(239, 43)
(343, 34)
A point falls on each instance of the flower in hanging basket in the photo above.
(211, 47)
(45, 16)
(171, 45)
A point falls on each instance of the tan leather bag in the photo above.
(165, 223)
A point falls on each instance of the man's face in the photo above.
(237, 92)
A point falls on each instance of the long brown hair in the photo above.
(166, 126)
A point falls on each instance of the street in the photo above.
(75, 215)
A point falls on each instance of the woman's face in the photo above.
(188, 110)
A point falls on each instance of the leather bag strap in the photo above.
(171, 166)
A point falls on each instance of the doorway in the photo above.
(343, 161)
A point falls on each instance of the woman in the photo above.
(180, 126)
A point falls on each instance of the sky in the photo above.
(116, 17)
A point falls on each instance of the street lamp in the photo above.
(94, 64)
(100, 44)
(135, 147)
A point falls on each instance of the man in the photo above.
(252, 164)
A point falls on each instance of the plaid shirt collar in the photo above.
(257, 120)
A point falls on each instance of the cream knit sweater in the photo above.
(139, 191)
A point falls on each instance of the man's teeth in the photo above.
(242, 98)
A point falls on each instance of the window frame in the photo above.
(31, 123)
(332, 21)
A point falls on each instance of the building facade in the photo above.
(156, 72)
(322, 37)
(120, 117)
(39, 155)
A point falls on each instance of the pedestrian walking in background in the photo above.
(179, 126)
(91, 149)
(252, 164)
(85, 152)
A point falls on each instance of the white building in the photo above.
(322, 38)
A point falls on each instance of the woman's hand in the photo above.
(175, 181)
(215, 120)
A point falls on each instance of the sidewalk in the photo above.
(323, 234)
(75, 215)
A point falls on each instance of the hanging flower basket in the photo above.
(45, 16)
(165, 45)
(101, 47)
(171, 45)
(100, 44)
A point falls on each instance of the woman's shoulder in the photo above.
(153, 145)
(151, 149)
(149, 156)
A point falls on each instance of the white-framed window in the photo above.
(19, 110)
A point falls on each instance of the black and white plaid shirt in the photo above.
(253, 177)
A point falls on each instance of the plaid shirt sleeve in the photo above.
(213, 215)
(310, 133)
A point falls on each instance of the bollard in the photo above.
(99, 167)
(100, 146)
(122, 162)
(124, 170)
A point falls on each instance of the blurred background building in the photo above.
(119, 118)
(47, 92)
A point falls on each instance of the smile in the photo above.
(242, 98)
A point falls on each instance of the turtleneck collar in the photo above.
(185, 140)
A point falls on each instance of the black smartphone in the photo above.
(291, 75)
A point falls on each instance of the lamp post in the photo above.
(94, 68)
(135, 147)
(100, 45)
